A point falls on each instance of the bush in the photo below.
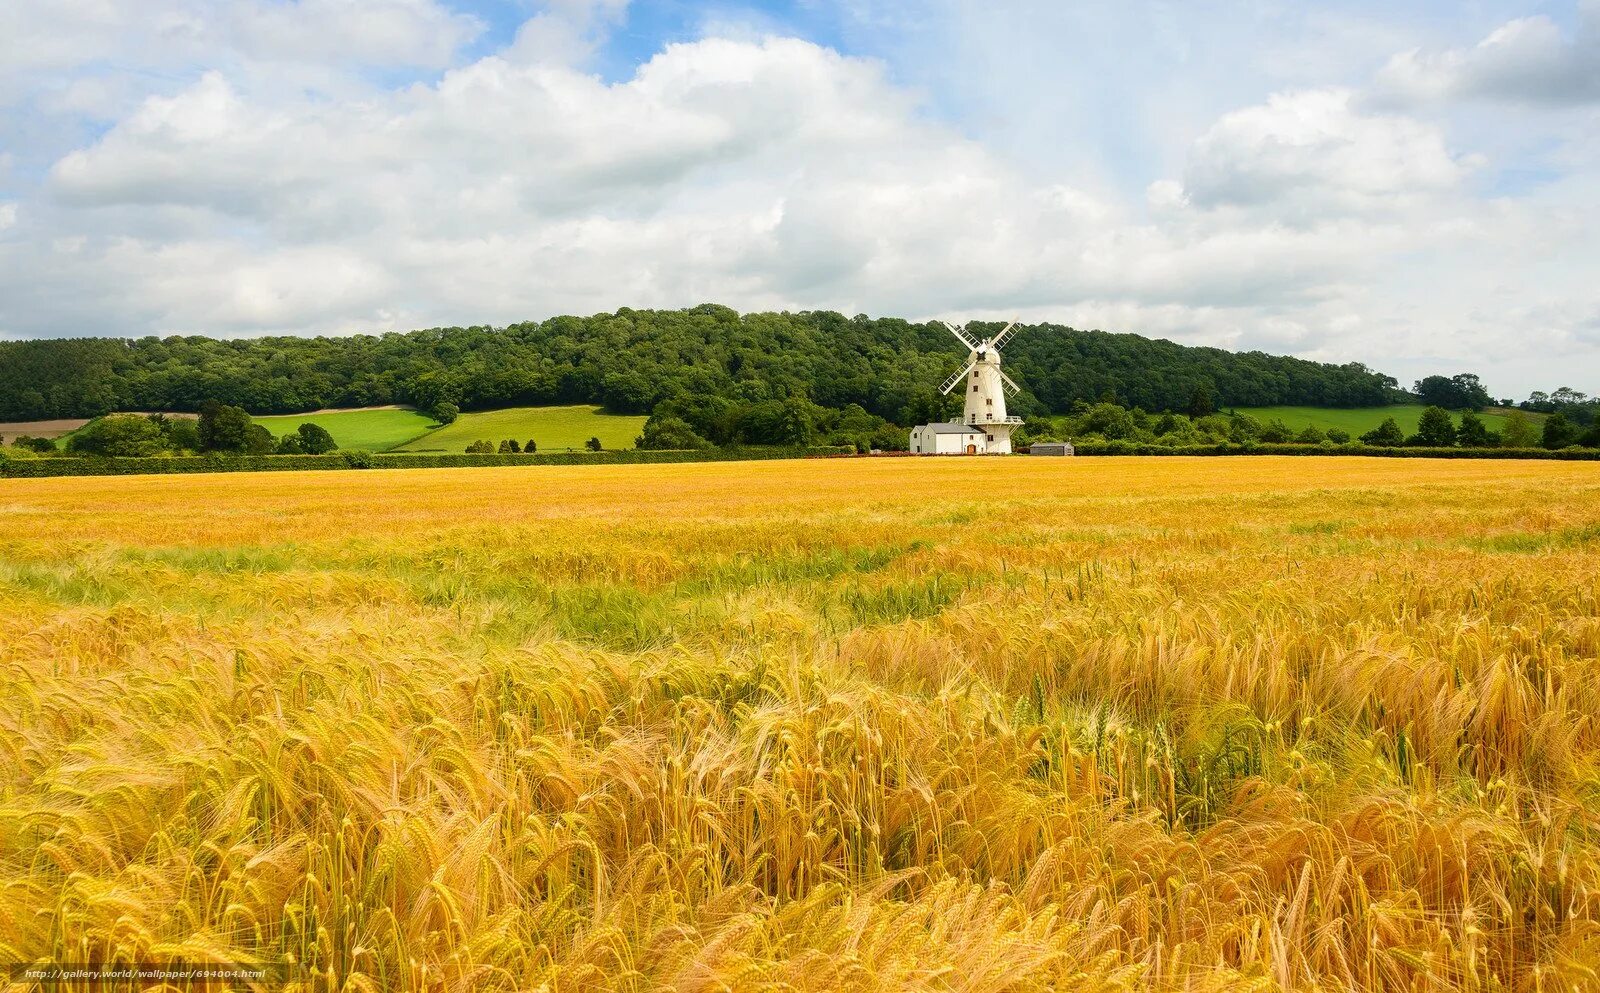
(445, 412)
(1312, 435)
(593, 445)
(1339, 436)
(315, 439)
(1385, 435)
(531, 447)
(355, 458)
(44, 446)
(118, 436)
(666, 432)
(481, 447)
(1277, 432)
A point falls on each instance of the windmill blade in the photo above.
(1004, 336)
(950, 383)
(1012, 389)
(972, 346)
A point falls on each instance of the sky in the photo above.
(1411, 186)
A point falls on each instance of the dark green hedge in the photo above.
(1144, 448)
(33, 468)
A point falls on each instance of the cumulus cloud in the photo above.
(771, 173)
(761, 172)
(1314, 152)
(1527, 61)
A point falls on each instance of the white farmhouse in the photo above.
(949, 439)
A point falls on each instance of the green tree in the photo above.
(290, 444)
(1312, 435)
(531, 447)
(182, 434)
(1200, 403)
(315, 439)
(1276, 432)
(1435, 429)
(224, 428)
(1109, 420)
(118, 435)
(669, 432)
(1387, 434)
(1519, 431)
(446, 412)
(1338, 436)
(593, 445)
(1473, 433)
(1558, 432)
(1462, 391)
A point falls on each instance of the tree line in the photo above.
(1436, 428)
(632, 360)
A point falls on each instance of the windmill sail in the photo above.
(972, 346)
(950, 383)
(1009, 332)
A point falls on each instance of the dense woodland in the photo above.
(633, 359)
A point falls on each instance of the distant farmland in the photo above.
(554, 428)
(377, 429)
(1358, 420)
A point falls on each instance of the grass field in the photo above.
(1015, 725)
(376, 430)
(1358, 420)
(554, 428)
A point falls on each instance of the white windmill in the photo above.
(985, 426)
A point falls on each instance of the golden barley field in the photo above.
(862, 725)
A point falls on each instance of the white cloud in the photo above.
(768, 173)
(1529, 60)
(1313, 152)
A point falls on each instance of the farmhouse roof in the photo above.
(948, 428)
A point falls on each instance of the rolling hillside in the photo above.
(554, 428)
(377, 429)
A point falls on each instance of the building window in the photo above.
(989, 436)
(988, 401)
(974, 387)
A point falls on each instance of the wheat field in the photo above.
(865, 725)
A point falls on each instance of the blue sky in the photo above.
(1416, 187)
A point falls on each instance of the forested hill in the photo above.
(633, 358)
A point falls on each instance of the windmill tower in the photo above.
(985, 427)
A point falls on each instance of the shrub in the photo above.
(315, 439)
(531, 447)
(1276, 432)
(445, 412)
(1312, 435)
(355, 458)
(669, 432)
(118, 436)
(1385, 435)
(593, 445)
(44, 446)
(1338, 436)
